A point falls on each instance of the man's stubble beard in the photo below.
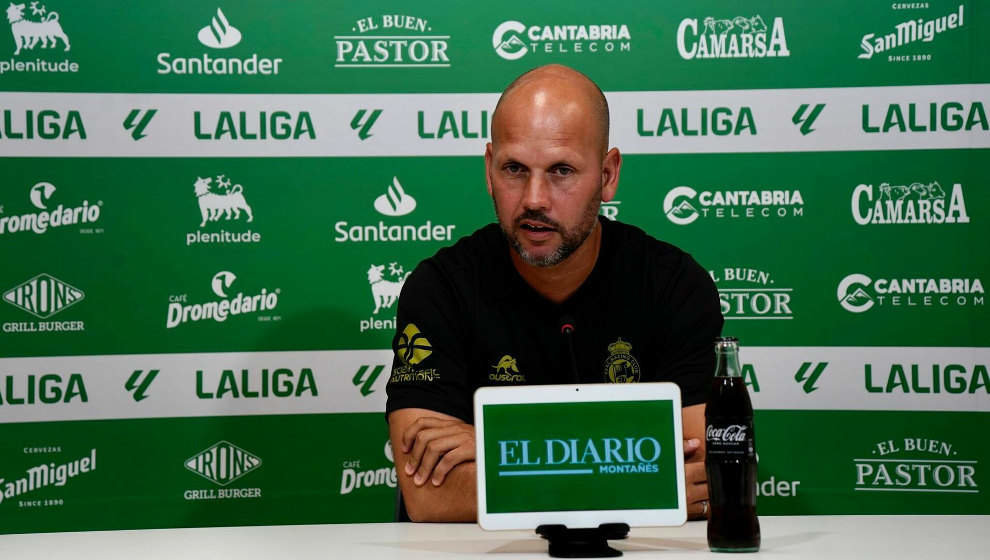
(571, 239)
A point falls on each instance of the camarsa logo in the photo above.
(392, 41)
(914, 203)
(911, 31)
(858, 293)
(513, 40)
(737, 37)
(48, 215)
(683, 205)
(180, 312)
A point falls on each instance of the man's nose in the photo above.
(537, 195)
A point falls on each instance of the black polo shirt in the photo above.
(467, 319)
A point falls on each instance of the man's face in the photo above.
(546, 177)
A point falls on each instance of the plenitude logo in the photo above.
(354, 477)
(396, 202)
(385, 289)
(915, 30)
(513, 39)
(43, 296)
(914, 203)
(751, 294)
(684, 205)
(37, 26)
(858, 293)
(218, 34)
(915, 465)
(48, 217)
(181, 312)
(392, 41)
(221, 201)
(222, 463)
(45, 475)
(738, 37)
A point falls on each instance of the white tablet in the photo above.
(579, 455)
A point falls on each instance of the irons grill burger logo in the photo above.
(181, 312)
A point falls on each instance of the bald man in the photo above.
(487, 311)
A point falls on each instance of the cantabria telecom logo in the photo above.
(394, 202)
(48, 216)
(392, 41)
(45, 475)
(222, 463)
(751, 294)
(915, 465)
(915, 30)
(738, 37)
(354, 476)
(218, 34)
(858, 293)
(683, 205)
(223, 202)
(914, 203)
(513, 39)
(37, 26)
(385, 288)
(181, 312)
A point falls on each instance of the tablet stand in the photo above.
(583, 543)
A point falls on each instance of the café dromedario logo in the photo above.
(228, 304)
(48, 215)
(39, 40)
(221, 204)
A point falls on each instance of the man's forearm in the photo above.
(454, 500)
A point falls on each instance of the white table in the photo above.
(812, 537)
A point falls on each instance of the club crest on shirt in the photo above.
(621, 366)
(506, 371)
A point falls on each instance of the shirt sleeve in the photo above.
(694, 321)
(429, 365)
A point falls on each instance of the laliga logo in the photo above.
(40, 194)
(395, 202)
(221, 281)
(683, 213)
(219, 34)
(511, 47)
(858, 301)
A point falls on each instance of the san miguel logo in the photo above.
(684, 205)
(35, 27)
(45, 475)
(738, 37)
(392, 41)
(48, 215)
(181, 312)
(915, 465)
(221, 202)
(218, 34)
(911, 31)
(749, 293)
(914, 203)
(858, 293)
(513, 40)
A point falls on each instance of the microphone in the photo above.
(567, 331)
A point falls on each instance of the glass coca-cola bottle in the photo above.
(730, 458)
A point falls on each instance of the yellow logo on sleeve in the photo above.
(413, 347)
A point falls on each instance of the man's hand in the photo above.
(435, 446)
(696, 479)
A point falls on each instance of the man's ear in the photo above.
(611, 166)
(488, 166)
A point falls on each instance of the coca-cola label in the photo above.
(729, 439)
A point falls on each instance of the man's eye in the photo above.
(513, 168)
(563, 171)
